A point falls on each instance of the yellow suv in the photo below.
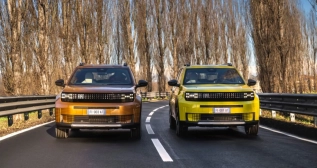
(213, 96)
(99, 97)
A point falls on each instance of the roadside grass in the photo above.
(19, 123)
(285, 117)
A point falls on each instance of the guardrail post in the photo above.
(39, 114)
(273, 114)
(10, 120)
(315, 121)
(292, 115)
(260, 112)
(51, 111)
(26, 116)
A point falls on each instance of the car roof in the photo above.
(208, 66)
(101, 66)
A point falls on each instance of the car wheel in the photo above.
(251, 129)
(181, 129)
(136, 133)
(75, 130)
(172, 121)
(61, 133)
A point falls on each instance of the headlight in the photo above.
(249, 95)
(191, 95)
(127, 96)
(67, 97)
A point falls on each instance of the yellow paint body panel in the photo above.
(194, 107)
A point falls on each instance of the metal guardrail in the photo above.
(305, 104)
(10, 106)
(151, 95)
(294, 103)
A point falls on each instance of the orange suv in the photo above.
(99, 97)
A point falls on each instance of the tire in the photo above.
(181, 130)
(61, 133)
(252, 129)
(136, 133)
(172, 121)
(75, 130)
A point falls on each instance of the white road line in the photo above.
(148, 119)
(162, 152)
(22, 131)
(151, 113)
(149, 129)
(290, 135)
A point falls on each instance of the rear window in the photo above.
(101, 76)
(212, 76)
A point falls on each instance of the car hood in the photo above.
(100, 89)
(218, 88)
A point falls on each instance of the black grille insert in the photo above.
(104, 119)
(220, 117)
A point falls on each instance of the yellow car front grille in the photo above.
(194, 117)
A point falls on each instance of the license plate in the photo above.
(96, 111)
(221, 110)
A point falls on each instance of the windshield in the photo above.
(101, 76)
(212, 76)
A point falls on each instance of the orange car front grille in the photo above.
(104, 119)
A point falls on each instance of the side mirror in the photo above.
(173, 82)
(251, 82)
(60, 82)
(142, 83)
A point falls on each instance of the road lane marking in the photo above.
(22, 131)
(289, 135)
(149, 129)
(148, 119)
(162, 152)
(151, 113)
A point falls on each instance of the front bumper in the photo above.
(218, 123)
(96, 126)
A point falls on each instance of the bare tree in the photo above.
(126, 19)
(276, 48)
(160, 56)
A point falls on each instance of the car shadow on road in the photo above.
(95, 135)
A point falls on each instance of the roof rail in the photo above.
(81, 64)
(125, 64)
(229, 64)
(188, 64)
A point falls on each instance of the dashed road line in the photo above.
(159, 147)
(149, 129)
(161, 150)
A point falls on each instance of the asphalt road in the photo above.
(158, 147)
